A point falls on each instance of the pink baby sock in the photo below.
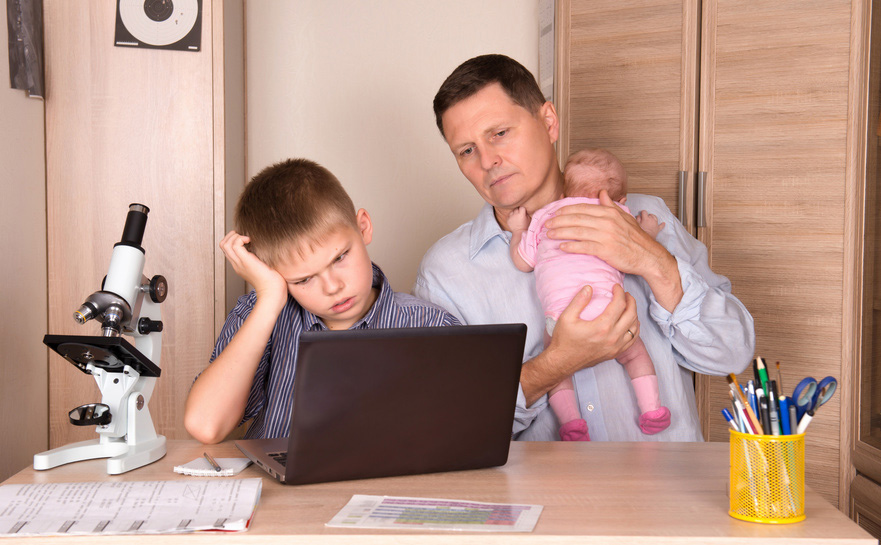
(654, 418)
(565, 406)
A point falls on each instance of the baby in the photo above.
(560, 275)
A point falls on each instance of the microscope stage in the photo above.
(110, 353)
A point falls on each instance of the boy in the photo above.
(560, 275)
(302, 245)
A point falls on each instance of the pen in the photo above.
(785, 426)
(751, 388)
(766, 417)
(805, 420)
(749, 425)
(793, 414)
(212, 462)
(728, 416)
(772, 408)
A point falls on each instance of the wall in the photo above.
(24, 427)
(350, 85)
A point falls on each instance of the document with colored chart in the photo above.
(435, 514)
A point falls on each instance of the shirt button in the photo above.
(589, 406)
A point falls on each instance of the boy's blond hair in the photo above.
(589, 170)
(288, 204)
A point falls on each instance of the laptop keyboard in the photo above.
(280, 457)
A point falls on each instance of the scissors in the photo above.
(810, 396)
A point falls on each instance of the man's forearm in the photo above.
(536, 377)
(662, 276)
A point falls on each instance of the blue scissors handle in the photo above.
(804, 395)
(824, 392)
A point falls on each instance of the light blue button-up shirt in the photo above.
(470, 273)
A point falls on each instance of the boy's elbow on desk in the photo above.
(202, 430)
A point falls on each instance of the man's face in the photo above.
(333, 279)
(505, 151)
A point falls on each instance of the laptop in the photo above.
(385, 402)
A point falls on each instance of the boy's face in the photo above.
(334, 278)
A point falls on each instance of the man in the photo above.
(494, 118)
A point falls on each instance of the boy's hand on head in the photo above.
(649, 223)
(518, 219)
(268, 283)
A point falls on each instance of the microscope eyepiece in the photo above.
(135, 223)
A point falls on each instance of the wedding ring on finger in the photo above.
(632, 336)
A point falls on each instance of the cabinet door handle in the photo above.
(701, 192)
(683, 183)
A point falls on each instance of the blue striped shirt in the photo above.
(269, 403)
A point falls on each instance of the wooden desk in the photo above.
(592, 493)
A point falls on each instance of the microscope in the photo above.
(127, 303)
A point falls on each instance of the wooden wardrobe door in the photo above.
(773, 140)
(629, 85)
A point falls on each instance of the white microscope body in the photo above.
(126, 375)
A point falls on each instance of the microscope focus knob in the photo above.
(158, 288)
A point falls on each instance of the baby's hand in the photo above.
(518, 219)
(267, 281)
(649, 223)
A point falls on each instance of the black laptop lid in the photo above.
(383, 402)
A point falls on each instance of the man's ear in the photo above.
(548, 115)
(365, 225)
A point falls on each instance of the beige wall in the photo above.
(24, 428)
(350, 85)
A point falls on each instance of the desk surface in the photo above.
(591, 492)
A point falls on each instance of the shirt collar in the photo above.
(483, 229)
(312, 322)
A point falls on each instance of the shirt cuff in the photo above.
(523, 417)
(688, 311)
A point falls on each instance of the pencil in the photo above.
(212, 462)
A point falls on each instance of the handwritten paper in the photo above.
(137, 507)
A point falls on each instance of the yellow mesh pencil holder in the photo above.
(767, 478)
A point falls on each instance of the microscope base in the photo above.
(123, 457)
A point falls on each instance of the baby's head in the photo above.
(302, 223)
(590, 170)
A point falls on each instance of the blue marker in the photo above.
(753, 401)
(730, 418)
(785, 426)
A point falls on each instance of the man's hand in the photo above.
(613, 235)
(269, 285)
(577, 344)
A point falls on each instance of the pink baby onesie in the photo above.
(559, 275)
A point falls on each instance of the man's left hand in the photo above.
(613, 235)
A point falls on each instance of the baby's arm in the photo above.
(217, 400)
(649, 223)
(518, 221)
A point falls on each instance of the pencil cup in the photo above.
(767, 478)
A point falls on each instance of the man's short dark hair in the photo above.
(474, 74)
